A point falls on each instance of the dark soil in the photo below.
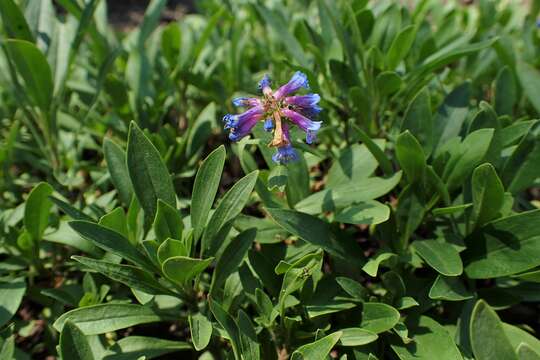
(126, 14)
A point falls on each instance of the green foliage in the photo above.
(131, 227)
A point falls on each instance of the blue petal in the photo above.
(265, 81)
(230, 121)
(239, 101)
(285, 154)
(268, 125)
(311, 137)
(300, 79)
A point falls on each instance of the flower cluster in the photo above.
(274, 107)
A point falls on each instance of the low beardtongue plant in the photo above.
(132, 228)
(278, 109)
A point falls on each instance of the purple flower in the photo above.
(242, 124)
(298, 81)
(278, 110)
(245, 101)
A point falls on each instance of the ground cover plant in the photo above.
(278, 179)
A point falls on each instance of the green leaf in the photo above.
(278, 24)
(296, 275)
(431, 341)
(200, 131)
(517, 336)
(317, 350)
(167, 223)
(347, 194)
(532, 276)
(410, 156)
(487, 194)
(505, 92)
(356, 337)
(201, 330)
(170, 248)
(150, 20)
(525, 352)
(504, 247)
(14, 21)
(451, 114)
(171, 41)
(443, 57)
(248, 337)
(521, 168)
(277, 179)
(149, 175)
(376, 151)
(103, 318)
(71, 211)
(7, 348)
(11, 294)
(135, 347)
(34, 69)
(229, 208)
(471, 152)
(529, 79)
(354, 163)
(205, 188)
(418, 120)
(369, 212)
(182, 269)
(116, 163)
(110, 240)
(442, 257)
(372, 266)
(115, 220)
(312, 230)
(73, 343)
(449, 210)
(37, 209)
(400, 46)
(353, 288)
(488, 340)
(388, 82)
(125, 274)
(231, 258)
(228, 323)
(378, 317)
(449, 289)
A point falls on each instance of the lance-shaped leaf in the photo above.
(37, 209)
(314, 231)
(103, 318)
(110, 240)
(205, 188)
(34, 69)
(487, 194)
(201, 330)
(229, 207)
(149, 175)
(231, 259)
(116, 164)
(126, 274)
(73, 343)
